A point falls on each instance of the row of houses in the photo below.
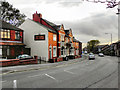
(112, 49)
(39, 37)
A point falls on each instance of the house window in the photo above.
(61, 51)
(5, 34)
(0, 50)
(67, 40)
(62, 37)
(17, 35)
(54, 37)
(54, 51)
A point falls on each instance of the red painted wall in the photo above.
(12, 36)
(52, 43)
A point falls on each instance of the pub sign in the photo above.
(39, 37)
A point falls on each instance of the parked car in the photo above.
(85, 52)
(91, 56)
(101, 54)
(24, 56)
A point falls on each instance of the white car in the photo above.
(91, 56)
(101, 54)
(85, 52)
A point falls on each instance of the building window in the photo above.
(0, 50)
(62, 37)
(66, 40)
(54, 51)
(4, 34)
(8, 51)
(17, 35)
(54, 37)
(61, 51)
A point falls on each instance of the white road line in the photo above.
(69, 72)
(36, 75)
(14, 83)
(4, 81)
(51, 77)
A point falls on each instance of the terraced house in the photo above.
(40, 37)
(48, 40)
(11, 41)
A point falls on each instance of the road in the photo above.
(99, 73)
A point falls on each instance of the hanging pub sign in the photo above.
(39, 37)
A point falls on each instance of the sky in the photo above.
(87, 20)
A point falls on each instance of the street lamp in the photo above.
(111, 41)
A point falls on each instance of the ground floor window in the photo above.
(61, 51)
(0, 50)
(50, 52)
(8, 51)
(54, 51)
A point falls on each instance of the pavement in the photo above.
(43, 65)
(79, 73)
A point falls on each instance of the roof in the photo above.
(67, 32)
(56, 27)
(75, 40)
(49, 29)
(6, 25)
(117, 42)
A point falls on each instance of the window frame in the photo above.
(17, 33)
(54, 37)
(55, 52)
(5, 34)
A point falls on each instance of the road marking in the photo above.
(4, 81)
(36, 75)
(14, 83)
(51, 77)
(69, 72)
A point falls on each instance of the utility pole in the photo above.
(111, 42)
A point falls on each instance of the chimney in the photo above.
(37, 17)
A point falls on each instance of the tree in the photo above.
(92, 44)
(10, 14)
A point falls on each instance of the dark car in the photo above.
(24, 56)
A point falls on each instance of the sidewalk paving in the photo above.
(21, 68)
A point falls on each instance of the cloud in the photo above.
(94, 27)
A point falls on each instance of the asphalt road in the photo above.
(99, 73)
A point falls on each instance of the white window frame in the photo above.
(62, 37)
(54, 37)
(54, 52)
(0, 51)
(50, 49)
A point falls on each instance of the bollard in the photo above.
(14, 83)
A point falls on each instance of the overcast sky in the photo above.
(86, 19)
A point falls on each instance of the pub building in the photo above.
(11, 41)
(41, 37)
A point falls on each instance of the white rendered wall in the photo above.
(38, 48)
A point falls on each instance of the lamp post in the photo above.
(111, 41)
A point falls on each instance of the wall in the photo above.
(38, 48)
(52, 43)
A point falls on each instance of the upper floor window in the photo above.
(17, 35)
(62, 37)
(4, 34)
(54, 37)
(67, 40)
